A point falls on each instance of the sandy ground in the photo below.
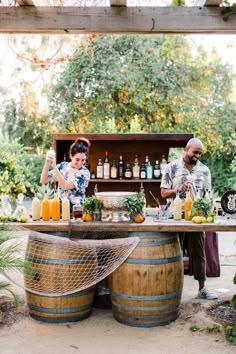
(101, 333)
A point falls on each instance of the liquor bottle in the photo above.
(100, 169)
(177, 207)
(157, 170)
(36, 208)
(163, 165)
(46, 208)
(114, 171)
(106, 167)
(149, 170)
(121, 168)
(65, 208)
(93, 175)
(128, 171)
(187, 206)
(55, 212)
(146, 160)
(136, 168)
(143, 173)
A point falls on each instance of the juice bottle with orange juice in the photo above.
(55, 208)
(187, 206)
(45, 208)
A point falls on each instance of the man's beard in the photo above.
(193, 161)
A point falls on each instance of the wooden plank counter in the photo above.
(222, 225)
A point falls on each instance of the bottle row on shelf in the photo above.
(124, 170)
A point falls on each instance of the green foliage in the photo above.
(153, 84)
(10, 257)
(14, 171)
(215, 328)
(91, 204)
(23, 120)
(134, 204)
(124, 84)
(201, 206)
(35, 165)
(230, 333)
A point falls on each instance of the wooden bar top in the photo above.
(149, 225)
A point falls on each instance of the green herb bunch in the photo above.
(201, 207)
(134, 204)
(91, 204)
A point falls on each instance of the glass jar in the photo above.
(77, 211)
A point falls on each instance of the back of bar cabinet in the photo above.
(127, 145)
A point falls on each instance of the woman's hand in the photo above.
(51, 158)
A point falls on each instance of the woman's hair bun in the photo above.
(83, 141)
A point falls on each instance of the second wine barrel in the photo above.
(146, 289)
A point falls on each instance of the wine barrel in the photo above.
(146, 289)
(58, 270)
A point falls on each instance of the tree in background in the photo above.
(128, 84)
(152, 84)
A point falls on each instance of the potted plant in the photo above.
(134, 205)
(92, 209)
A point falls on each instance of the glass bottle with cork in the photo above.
(163, 164)
(157, 170)
(136, 168)
(128, 171)
(121, 168)
(106, 166)
(149, 170)
(143, 173)
(114, 171)
(99, 169)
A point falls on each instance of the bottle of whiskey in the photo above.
(106, 167)
(121, 168)
(163, 164)
(143, 173)
(136, 168)
(100, 169)
(114, 170)
(128, 171)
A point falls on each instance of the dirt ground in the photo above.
(101, 333)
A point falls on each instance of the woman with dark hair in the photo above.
(72, 176)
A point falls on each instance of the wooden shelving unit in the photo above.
(127, 145)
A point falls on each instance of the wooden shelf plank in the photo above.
(95, 180)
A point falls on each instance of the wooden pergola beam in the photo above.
(118, 2)
(142, 20)
(25, 2)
